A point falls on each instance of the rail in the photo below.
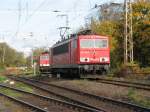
(121, 103)
(73, 102)
(136, 85)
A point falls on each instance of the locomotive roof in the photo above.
(73, 36)
(64, 41)
(45, 52)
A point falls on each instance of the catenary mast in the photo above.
(128, 33)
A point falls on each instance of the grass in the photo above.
(8, 104)
(10, 92)
(17, 85)
(24, 87)
(2, 79)
(138, 99)
(110, 77)
(2, 69)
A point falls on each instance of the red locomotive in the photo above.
(80, 54)
(44, 62)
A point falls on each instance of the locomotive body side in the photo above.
(64, 56)
(61, 54)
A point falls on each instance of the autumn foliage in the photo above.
(114, 28)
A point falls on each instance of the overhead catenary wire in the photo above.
(31, 15)
(19, 16)
(25, 14)
(27, 10)
(90, 4)
(28, 17)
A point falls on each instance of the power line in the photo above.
(31, 15)
(19, 15)
(27, 18)
(27, 10)
(90, 4)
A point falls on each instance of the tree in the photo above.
(114, 28)
(141, 32)
(10, 57)
(34, 56)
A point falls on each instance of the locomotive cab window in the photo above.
(44, 57)
(86, 43)
(101, 43)
(93, 43)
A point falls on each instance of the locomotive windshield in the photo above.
(86, 43)
(93, 43)
(100, 43)
(44, 57)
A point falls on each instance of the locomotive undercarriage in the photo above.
(78, 71)
(45, 70)
(93, 69)
(65, 72)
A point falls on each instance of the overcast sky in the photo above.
(18, 18)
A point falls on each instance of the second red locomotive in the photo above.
(44, 62)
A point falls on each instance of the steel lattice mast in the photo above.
(128, 38)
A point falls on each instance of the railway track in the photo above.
(49, 99)
(107, 101)
(39, 109)
(26, 104)
(64, 98)
(120, 83)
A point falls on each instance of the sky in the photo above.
(28, 24)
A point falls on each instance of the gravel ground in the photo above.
(9, 106)
(132, 79)
(99, 104)
(51, 107)
(43, 103)
(140, 97)
(101, 89)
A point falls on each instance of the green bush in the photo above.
(2, 78)
(137, 99)
(146, 70)
(2, 68)
(126, 70)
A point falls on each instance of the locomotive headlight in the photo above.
(104, 59)
(84, 59)
(44, 64)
